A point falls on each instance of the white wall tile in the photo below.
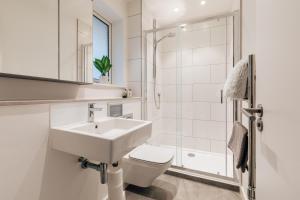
(187, 57)
(134, 7)
(201, 74)
(156, 126)
(202, 144)
(218, 146)
(136, 88)
(209, 55)
(168, 44)
(168, 93)
(168, 110)
(134, 108)
(169, 140)
(207, 92)
(194, 39)
(134, 48)
(169, 125)
(134, 26)
(152, 112)
(196, 143)
(187, 127)
(188, 142)
(168, 76)
(201, 110)
(218, 112)
(150, 52)
(187, 110)
(186, 93)
(149, 72)
(218, 35)
(187, 75)
(168, 59)
(209, 129)
(218, 73)
(134, 70)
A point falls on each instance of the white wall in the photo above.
(135, 46)
(271, 31)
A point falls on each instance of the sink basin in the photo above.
(106, 141)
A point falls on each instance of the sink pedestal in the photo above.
(115, 183)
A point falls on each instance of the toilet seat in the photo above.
(145, 163)
(151, 154)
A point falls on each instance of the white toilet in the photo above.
(145, 163)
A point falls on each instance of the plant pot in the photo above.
(104, 79)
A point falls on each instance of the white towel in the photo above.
(236, 84)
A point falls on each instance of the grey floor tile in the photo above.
(168, 187)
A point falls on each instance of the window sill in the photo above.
(104, 86)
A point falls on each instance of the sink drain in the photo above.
(192, 155)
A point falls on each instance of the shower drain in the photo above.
(192, 155)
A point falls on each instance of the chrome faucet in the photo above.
(91, 111)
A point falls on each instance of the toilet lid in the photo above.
(150, 153)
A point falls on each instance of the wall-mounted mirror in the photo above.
(48, 40)
(75, 40)
(29, 38)
(55, 40)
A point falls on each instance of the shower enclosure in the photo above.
(184, 69)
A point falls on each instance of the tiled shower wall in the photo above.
(134, 71)
(152, 113)
(192, 68)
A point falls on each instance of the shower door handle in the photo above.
(221, 96)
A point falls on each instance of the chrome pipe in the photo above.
(102, 168)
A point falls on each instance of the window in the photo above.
(101, 42)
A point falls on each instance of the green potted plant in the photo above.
(104, 66)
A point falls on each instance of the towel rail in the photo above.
(251, 113)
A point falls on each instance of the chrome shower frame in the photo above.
(145, 67)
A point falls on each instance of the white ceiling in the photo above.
(163, 10)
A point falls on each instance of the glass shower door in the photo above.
(203, 57)
(192, 65)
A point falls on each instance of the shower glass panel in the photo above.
(192, 63)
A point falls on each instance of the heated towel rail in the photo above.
(252, 113)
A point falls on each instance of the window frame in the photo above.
(109, 25)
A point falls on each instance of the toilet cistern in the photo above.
(92, 109)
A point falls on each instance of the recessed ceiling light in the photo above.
(203, 3)
(176, 9)
(182, 25)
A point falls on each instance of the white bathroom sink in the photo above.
(106, 141)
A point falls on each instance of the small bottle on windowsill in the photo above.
(125, 93)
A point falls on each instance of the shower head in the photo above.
(169, 35)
